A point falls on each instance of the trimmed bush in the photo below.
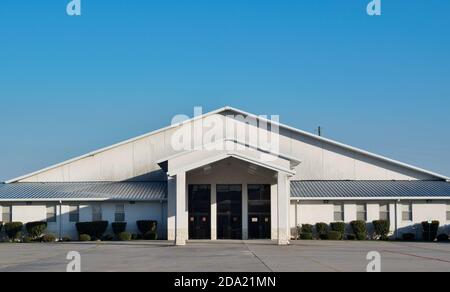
(13, 229)
(338, 227)
(27, 239)
(359, 229)
(36, 229)
(66, 239)
(307, 228)
(442, 237)
(125, 236)
(136, 236)
(381, 228)
(430, 230)
(119, 227)
(145, 226)
(306, 236)
(107, 237)
(322, 230)
(384, 238)
(361, 236)
(334, 235)
(94, 229)
(351, 237)
(85, 237)
(151, 235)
(48, 238)
(408, 237)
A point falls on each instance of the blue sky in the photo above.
(69, 85)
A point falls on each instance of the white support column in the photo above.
(274, 212)
(171, 207)
(213, 212)
(244, 211)
(283, 209)
(181, 234)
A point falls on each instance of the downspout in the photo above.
(162, 215)
(396, 218)
(60, 220)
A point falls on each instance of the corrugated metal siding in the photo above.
(119, 191)
(369, 189)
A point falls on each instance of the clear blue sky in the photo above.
(69, 85)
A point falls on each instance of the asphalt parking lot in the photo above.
(240, 256)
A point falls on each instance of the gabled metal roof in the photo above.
(228, 108)
(370, 189)
(84, 191)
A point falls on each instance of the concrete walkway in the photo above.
(227, 256)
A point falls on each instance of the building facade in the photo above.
(228, 174)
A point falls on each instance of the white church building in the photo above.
(228, 174)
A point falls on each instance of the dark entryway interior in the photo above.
(259, 212)
(229, 212)
(199, 206)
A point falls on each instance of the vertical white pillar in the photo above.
(283, 209)
(244, 211)
(213, 212)
(274, 211)
(181, 234)
(171, 207)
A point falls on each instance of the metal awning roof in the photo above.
(370, 189)
(84, 191)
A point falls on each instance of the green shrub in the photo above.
(66, 239)
(85, 237)
(36, 229)
(351, 237)
(430, 230)
(322, 230)
(307, 228)
(48, 238)
(306, 236)
(358, 227)
(145, 226)
(151, 235)
(408, 237)
(361, 236)
(334, 235)
(443, 237)
(338, 227)
(119, 227)
(136, 236)
(381, 228)
(94, 229)
(27, 239)
(107, 237)
(125, 236)
(12, 229)
(384, 238)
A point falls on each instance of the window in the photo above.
(339, 212)
(96, 212)
(448, 212)
(361, 212)
(6, 214)
(384, 212)
(407, 212)
(51, 213)
(120, 213)
(74, 213)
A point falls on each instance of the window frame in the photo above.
(73, 213)
(448, 212)
(47, 217)
(364, 205)
(97, 210)
(409, 212)
(9, 213)
(387, 212)
(117, 213)
(341, 212)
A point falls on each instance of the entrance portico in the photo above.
(243, 194)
